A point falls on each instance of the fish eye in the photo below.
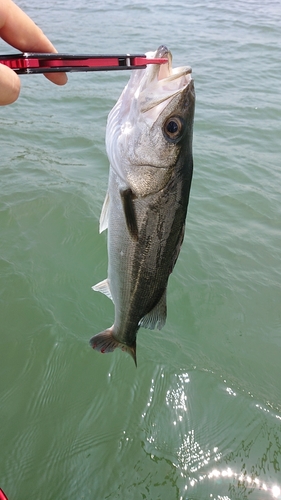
(173, 128)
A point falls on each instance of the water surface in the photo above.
(200, 417)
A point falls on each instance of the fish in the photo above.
(149, 146)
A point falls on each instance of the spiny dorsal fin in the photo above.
(127, 197)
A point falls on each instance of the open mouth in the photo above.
(163, 82)
(166, 72)
(152, 88)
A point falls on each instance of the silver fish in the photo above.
(149, 145)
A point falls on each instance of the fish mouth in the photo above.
(161, 82)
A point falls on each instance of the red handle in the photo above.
(2, 495)
(29, 63)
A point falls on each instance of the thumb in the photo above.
(9, 85)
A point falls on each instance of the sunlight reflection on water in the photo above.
(205, 466)
(247, 482)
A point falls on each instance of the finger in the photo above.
(18, 30)
(9, 85)
(57, 78)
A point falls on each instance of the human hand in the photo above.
(18, 30)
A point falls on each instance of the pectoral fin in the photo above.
(156, 318)
(127, 197)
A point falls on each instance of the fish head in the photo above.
(151, 125)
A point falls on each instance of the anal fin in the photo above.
(103, 287)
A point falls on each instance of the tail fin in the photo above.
(105, 342)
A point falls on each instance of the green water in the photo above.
(200, 417)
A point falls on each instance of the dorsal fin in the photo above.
(156, 318)
(127, 197)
